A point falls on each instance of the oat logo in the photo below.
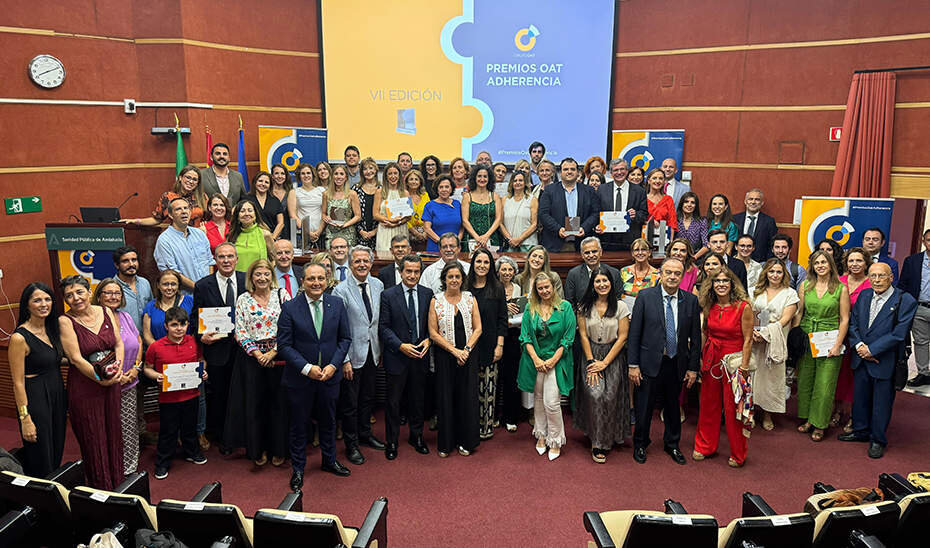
(525, 39)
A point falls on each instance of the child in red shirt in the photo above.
(177, 410)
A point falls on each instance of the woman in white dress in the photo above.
(389, 227)
(308, 204)
(519, 224)
(773, 302)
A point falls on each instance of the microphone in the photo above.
(130, 197)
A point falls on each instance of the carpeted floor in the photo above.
(507, 495)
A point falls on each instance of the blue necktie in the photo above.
(365, 299)
(342, 273)
(412, 312)
(671, 341)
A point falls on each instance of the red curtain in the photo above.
(863, 163)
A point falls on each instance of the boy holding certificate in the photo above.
(174, 363)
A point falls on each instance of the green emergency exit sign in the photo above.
(26, 204)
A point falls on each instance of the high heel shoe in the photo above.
(734, 463)
(554, 453)
(541, 446)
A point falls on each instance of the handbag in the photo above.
(106, 366)
(103, 540)
(733, 361)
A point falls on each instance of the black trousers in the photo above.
(456, 403)
(319, 400)
(217, 396)
(405, 388)
(507, 371)
(177, 419)
(355, 400)
(668, 385)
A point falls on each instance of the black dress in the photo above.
(270, 212)
(48, 407)
(493, 311)
(457, 396)
(367, 205)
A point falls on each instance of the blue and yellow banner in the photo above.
(290, 146)
(646, 148)
(842, 220)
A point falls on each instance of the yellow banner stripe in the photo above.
(778, 45)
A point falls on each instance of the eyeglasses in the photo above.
(721, 282)
(191, 179)
(112, 293)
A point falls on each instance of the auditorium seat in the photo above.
(124, 510)
(915, 515)
(48, 498)
(761, 526)
(276, 527)
(650, 529)
(205, 519)
(16, 524)
(832, 526)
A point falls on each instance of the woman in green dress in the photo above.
(546, 367)
(250, 235)
(824, 306)
(482, 210)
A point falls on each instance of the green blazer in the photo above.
(546, 338)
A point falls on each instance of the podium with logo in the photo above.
(86, 249)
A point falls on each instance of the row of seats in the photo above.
(899, 520)
(58, 511)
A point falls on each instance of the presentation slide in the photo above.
(453, 78)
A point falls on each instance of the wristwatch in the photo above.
(467, 348)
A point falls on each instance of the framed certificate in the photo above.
(398, 207)
(215, 320)
(181, 376)
(822, 341)
(614, 221)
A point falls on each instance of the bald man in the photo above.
(879, 324)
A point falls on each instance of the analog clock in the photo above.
(46, 71)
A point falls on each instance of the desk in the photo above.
(560, 263)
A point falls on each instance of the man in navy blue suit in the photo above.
(567, 199)
(760, 226)
(878, 327)
(405, 346)
(873, 241)
(313, 339)
(664, 349)
(915, 280)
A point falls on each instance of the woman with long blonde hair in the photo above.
(824, 306)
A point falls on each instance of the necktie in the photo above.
(412, 312)
(317, 318)
(342, 273)
(365, 299)
(230, 295)
(752, 226)
(618, 204)
(671, 341)
(874, 308)
(287, 284)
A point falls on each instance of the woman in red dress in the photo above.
(856, 279)
(728, 322)
(661, 205)
(89, 335)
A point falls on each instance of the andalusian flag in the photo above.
(180, 158)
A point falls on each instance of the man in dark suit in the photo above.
(915, 280)
(717, 243)
(391, 274)
(760, 226)
(873, 241)
(576, 283)
(313, 339)
(664, 348)
(622, 196)
(219, 178)
(220, 289)
(878, 328)
(405, 344)
(567, 199)
(289, 275)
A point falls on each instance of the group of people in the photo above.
(466, 345)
